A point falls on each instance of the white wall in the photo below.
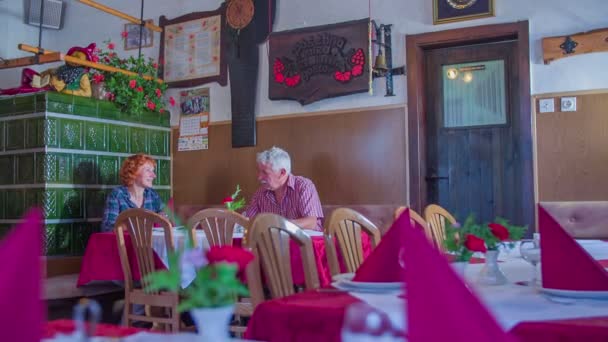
(547, 18)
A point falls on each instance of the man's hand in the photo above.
(308, 222)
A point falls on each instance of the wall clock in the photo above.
(239, 13)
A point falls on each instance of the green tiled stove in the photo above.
(63, 153)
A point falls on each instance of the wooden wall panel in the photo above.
(354, 157)
(572, 150)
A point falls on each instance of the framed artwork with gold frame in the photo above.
(447, 11)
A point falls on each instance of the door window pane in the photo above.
(474, 94)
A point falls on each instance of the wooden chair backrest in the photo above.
(346, 225)
(416, 218)
(218, 225)
(269, 239)
(139, 223)
(436, 216)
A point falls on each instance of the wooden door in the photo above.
(473, 131)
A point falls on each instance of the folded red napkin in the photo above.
(440, 307)
(565, 264)
(382, 265)
(22, 314)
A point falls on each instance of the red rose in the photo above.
(151, 105)
(158, 92)
(172, 101)
(124, 34)
(230, 254)
(155, 65)
(227, 200)
(111, 46)
(97, 78)
(140, 89)
(132, 84)
(475, 244)
(499, 231)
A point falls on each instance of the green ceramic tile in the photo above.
(31, 132)
(2, 136)
(70, 203)
(46, 168)
(119, 139)
(138, 140)
(25, 168)
(108, 170)
(150, 118)
(4, 229)
(50, 203)
(165, 120)
(25, 108)
(163, 172)
(2, 204)
(58, 239)
(81, 232)
(31, 198)
(14, 204)
(40, 100)
(159, 143)
(59, 107)
(85, 170)
(50, 134)
(96, 136)
(7, 176)
(53, 96)
(65, 169)
(95, 202)
(107, 110)
(6, 107)
(14, 131)
(85, 110)
(164, 195)
(70, 134)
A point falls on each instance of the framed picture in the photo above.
(447, 11)
(132, 39)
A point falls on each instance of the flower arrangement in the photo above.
(216, 284)
(232, 203)
(464, 240)
(133, 94)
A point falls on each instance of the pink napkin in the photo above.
(440, 307)
(565, 264)
(22, 314)
(382, 265)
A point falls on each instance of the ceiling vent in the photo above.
(53, 13)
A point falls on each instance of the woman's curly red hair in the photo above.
(129, 168)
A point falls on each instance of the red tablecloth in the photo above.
(318, 316)
(101, 261)
(66, 326)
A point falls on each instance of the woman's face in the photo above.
(145, 176)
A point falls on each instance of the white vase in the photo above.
(460, 267)
(212, 323)
(491, 274)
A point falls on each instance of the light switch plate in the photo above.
(568, 104)
(546, 105)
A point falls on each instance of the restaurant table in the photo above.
(523, 310)
(101, 261)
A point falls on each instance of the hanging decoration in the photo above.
(319, 62)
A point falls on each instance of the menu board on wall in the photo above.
(191, 49)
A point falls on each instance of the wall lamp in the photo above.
(383, 66)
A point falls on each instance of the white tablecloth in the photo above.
(509, 303)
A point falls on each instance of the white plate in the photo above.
(346, 280)
(576, 294)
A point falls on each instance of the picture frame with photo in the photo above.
(132, 38)
(448, 11)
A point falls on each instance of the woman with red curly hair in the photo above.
(136, 175)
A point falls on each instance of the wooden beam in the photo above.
(25, 61)
(576, 44)
(120, 14)
(97, 66)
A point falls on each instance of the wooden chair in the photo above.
(414, 216)
(139, 223)
(347, 224)
(269, 240)
(218, 225)
(435, 217)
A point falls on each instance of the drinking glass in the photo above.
(530, 252)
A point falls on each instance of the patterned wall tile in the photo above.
(159, 143)
(4, 229)
(65, 168)
(138, 140)
(15, 133)
(14, 204)
(26, 168)
(70, 203)
(164, 195)
(46, 167)
(6, 107)
(96, 135)
(119, 139)
(58, 239)
(108, 170)
(163, 172)
(71, 134)
(80, 236)
(7, 165)
(59, 107)
(50, 203)
(50, 133)
(95, 202)
(2, 136)
(24, 104)
(31, 198)
(40, 101)
(2, 204)
(31, 132)
(85, 169)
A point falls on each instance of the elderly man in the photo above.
(293, 197)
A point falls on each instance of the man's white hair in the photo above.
(277, 157)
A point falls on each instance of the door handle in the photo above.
(434, 178)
